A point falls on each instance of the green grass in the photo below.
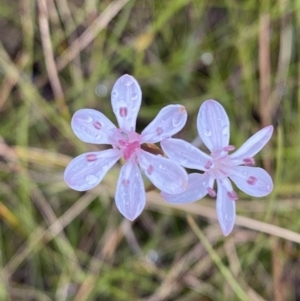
(59, 244)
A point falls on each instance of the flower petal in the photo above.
(196, 190)
(185, 153)
(130, 195)
(92, 126)
(87, 170)
(254, 181)
(225, 207)
(169, 121)
(213, 125)
(254, 144)
(126, 99)
(165, 174)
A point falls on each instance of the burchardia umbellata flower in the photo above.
(87, 170)
(220, 166)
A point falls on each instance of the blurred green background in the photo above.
(57, 56)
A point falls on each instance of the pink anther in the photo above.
(125, 182)
(211, 192)
(123, 111)
(249, 161)
(229, 148)
(208, 164)
(97, 125)
(150, 169)
(251, 180)
(159, 130)
(232, 195)
(91, 157)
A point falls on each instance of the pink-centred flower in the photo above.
(87, 170)
(220, 166)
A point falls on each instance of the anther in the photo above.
(251, 180)
(232, 195)
(159, 131)
(208, 164)
(150, 169)
(229, 148)
(123, 111)
(182, 109)
(211, 192)
(91, 157)
(97, 125)
(125, 182)
(249, 161)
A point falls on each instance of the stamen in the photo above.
(229, 148)
(159, 131)
(232, 195)
(150, 169)
(251, 180)
(182, 109)
(249, 161)
(125, 182)
(91, 157)
(208, 164)
(123, 111)
(97, 125)
(212, 193)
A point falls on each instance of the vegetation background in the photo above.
(57, 56)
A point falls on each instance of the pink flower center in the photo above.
(220, 167)
(129, 149)
(128, 142)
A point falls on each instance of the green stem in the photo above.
(240, 293)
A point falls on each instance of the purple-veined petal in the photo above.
(225, 207)
(165, 174)
(254, 144)
(254, 181)
(186, 154)
(126, 99)
(196, 190)
(87, 170)
(92, 126)
(169, 121)
(213, 125)
(130, 194)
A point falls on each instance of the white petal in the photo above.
(254, 144)
(126, 99)
(196, 190)
(213, 125)
(165, 174)
(185, 154)
(225, 207)
(87, 170)
(130, 194)
(169, 121)
(254, 181)
(92, 126)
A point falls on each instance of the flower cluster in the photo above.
(220, 166)
(87, 170)
(167, 174)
